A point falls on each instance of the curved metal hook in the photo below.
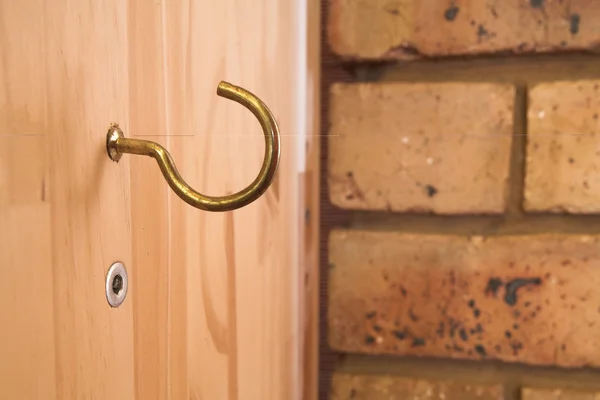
(117, 144)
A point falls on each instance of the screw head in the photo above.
(114, 133)
(116, 284)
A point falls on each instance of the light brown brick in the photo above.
(563, 148)
(404, 29)
(440, 147)
(374, 387)
(558, 394)
(531, 299)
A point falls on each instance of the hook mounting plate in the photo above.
(114, 133)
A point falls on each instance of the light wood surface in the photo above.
(312, 197)
(65, 210)
(220, 305)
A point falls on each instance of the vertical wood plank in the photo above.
(22, 76)
(240, 270)
(212, 337)
(312, 196)
(247, 283)
(27, 364)
(180, 142)
(64, 219)
(86, 80)
(27, 361)
(149, 197)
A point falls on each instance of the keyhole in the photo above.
(117, 284)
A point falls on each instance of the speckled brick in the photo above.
(563, 148)
(530, 299)
(386, 387)
(558, 394)
(405, 29)
(442, 148)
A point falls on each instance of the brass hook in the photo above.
(117, 144)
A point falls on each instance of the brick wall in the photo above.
(461, 218)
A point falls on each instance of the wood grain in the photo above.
(26, 297)
(217, 305)
(86, 78)
(243, 336)
(27, 336)
(312, 198)
(67, 214)
(149, 196)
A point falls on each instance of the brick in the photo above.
(425, 147)
(563, 148)
(385, 387)
(407, 29)
(530, 298)
(558, 394)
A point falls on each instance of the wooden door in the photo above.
(216, 305)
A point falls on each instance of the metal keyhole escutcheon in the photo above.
(116, 284)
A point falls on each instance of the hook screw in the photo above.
(117, 145)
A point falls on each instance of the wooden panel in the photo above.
(221, 292)
(240, 268)
(216, 304)
(310, 249)
(65, 217)
(26, 314)
(149, 195)
(86, 78)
